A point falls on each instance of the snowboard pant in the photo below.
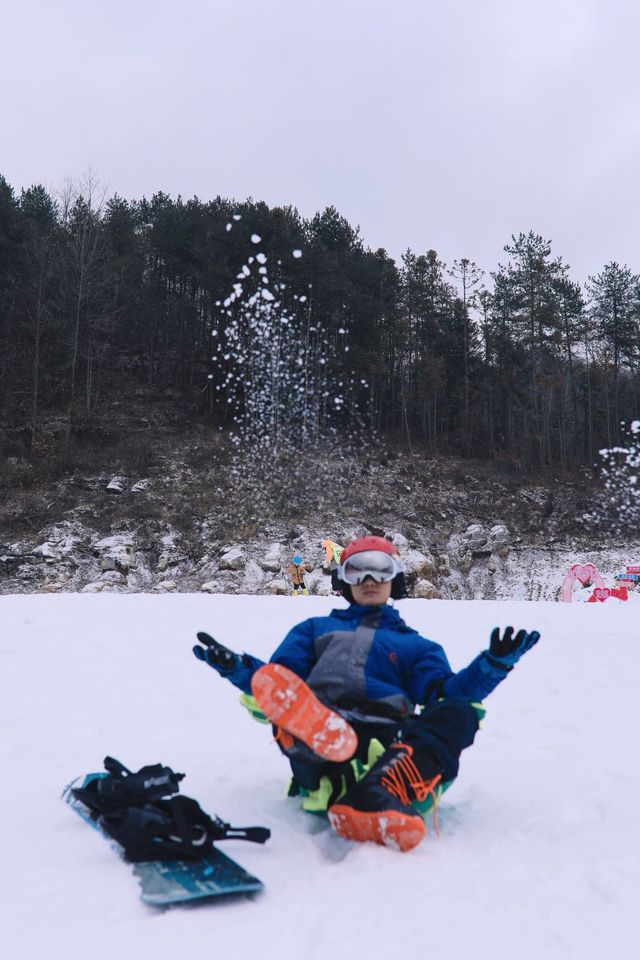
(438, 736)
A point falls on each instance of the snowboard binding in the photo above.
(139, 811)
(120, 788)
(174, 829)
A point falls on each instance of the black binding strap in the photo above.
(121, 788)
(175, 829)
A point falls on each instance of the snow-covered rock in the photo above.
(140, 485)
(211, 586)
(47, 551)
(234, 558)
(318, 583)
(499, 540)
(96, 587)
(400, 541)
(475, 537)
(272, 559)
(53, 587)
(425, 590)
(254, 577)
(117, 485)
(116, 552)
(114, 577)
(278, 587)
(419, 564)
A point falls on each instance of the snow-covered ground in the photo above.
(538, 855)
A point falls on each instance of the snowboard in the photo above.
(167, 882)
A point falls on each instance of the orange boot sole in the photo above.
(389, 828)
(290, 704)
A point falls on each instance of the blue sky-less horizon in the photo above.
(428, 125)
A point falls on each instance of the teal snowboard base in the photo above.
(167, 882)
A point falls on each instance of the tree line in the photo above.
(523, 365)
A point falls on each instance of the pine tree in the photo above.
(614, 311)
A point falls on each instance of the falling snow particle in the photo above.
(297, 254)
(255, 238)
(228, 227)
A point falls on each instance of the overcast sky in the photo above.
(446, 125)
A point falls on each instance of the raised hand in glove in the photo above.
(232, 666)
(216, 655)
(505, 651)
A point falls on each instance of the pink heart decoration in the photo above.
(602, 593)
(583, 572)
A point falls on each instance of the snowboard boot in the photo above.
(379, 808)
(294, 709)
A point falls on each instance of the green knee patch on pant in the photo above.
(332, 789)
(251, 704)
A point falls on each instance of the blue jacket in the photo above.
(367, 657)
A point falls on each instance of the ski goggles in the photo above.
(381, 567)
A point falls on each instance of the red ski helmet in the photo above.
(368, 547)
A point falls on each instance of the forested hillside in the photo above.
(98, 296)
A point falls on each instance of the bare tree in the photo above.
(81, 207)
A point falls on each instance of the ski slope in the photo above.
(538, 853)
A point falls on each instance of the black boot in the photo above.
(379, 809)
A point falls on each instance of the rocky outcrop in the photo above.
(148, 536)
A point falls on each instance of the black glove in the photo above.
(505, 651)
(222, 659)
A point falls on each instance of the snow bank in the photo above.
(538, 849)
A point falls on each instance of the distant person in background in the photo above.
(332, 557)
(296, 571)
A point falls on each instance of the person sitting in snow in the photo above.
(369, 714)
